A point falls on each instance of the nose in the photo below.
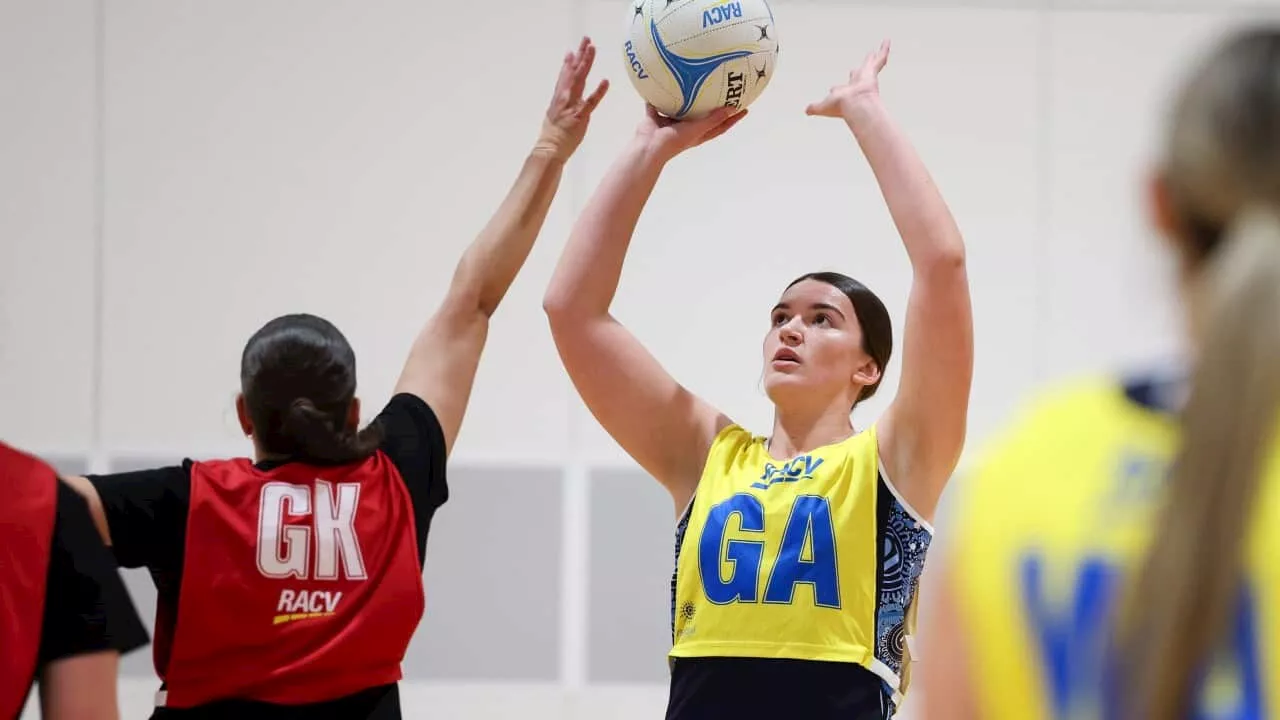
(790, 334)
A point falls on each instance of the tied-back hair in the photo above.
(1223, 168)
(298, 376)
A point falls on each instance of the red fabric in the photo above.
(26, 535)
(292, 618)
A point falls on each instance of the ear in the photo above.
(353, 414)
(867, 374)
(242, 412)
(1162, 211)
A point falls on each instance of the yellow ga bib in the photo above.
(813, 557)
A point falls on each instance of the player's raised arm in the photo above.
(664, 427)
(923, 430)
(442, 364)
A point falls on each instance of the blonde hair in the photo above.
(1223, 171)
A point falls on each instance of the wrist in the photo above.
(644, 153)
(548, 153)
(864, 108)
(554, 143)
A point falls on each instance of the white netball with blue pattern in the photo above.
(688, 57)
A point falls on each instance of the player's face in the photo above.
(814, 345)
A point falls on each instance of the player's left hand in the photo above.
(863, 84)
(565, 124)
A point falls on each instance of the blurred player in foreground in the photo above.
(1117, 553)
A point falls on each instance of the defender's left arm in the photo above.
(922, 432)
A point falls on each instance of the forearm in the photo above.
(923, 220)
(491, 263)
(590, 266)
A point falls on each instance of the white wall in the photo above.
(173, 174)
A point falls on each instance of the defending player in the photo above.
(290, 586)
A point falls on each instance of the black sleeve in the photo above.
(147, 515)
(86, 607)
(414, 441)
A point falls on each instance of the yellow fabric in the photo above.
(780, 558)
(1052, 524)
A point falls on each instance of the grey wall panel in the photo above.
(631, 553)
(493, 579)
(67, 464)
(143, 591)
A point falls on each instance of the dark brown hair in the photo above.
(298, 376)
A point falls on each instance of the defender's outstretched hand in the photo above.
(569, 113)
(863, 84)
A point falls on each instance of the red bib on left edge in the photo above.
(300, 584)
(27, 512)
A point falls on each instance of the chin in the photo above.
(782, 386)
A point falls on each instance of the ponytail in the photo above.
(1195, 562)
(313, 435)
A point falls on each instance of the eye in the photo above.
(821, 319)
(778, 318)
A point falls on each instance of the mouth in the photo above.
(786, 356)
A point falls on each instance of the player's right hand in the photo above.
(667, 138)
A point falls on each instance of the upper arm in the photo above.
(441, 368)
(664, 427)
(81, 688)
(87, 608)
(142, 514)
(923, 430)
(414, 442)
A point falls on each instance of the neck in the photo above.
(261, 456)
(798, 430)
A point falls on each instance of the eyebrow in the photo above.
(815, 306)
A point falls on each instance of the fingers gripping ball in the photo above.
(688, 57)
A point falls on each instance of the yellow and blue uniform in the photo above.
(809, 559)
(1050, 528)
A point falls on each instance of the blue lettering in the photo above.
(810, 520)
(721, 13)
(635, 61)
(744, 555)
(1071, 639)
(1078, 662)
(801, 468)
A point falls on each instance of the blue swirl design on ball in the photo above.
(690, 73)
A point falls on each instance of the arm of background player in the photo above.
(89, 619)
(664, 427)
(947, 690)
(923, 431)
(442, 363)
(90, 494)
(82, 687)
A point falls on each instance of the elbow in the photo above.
(554, 303)
(561, 304)
(943, 263)
(951, 258)
(556, 306)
